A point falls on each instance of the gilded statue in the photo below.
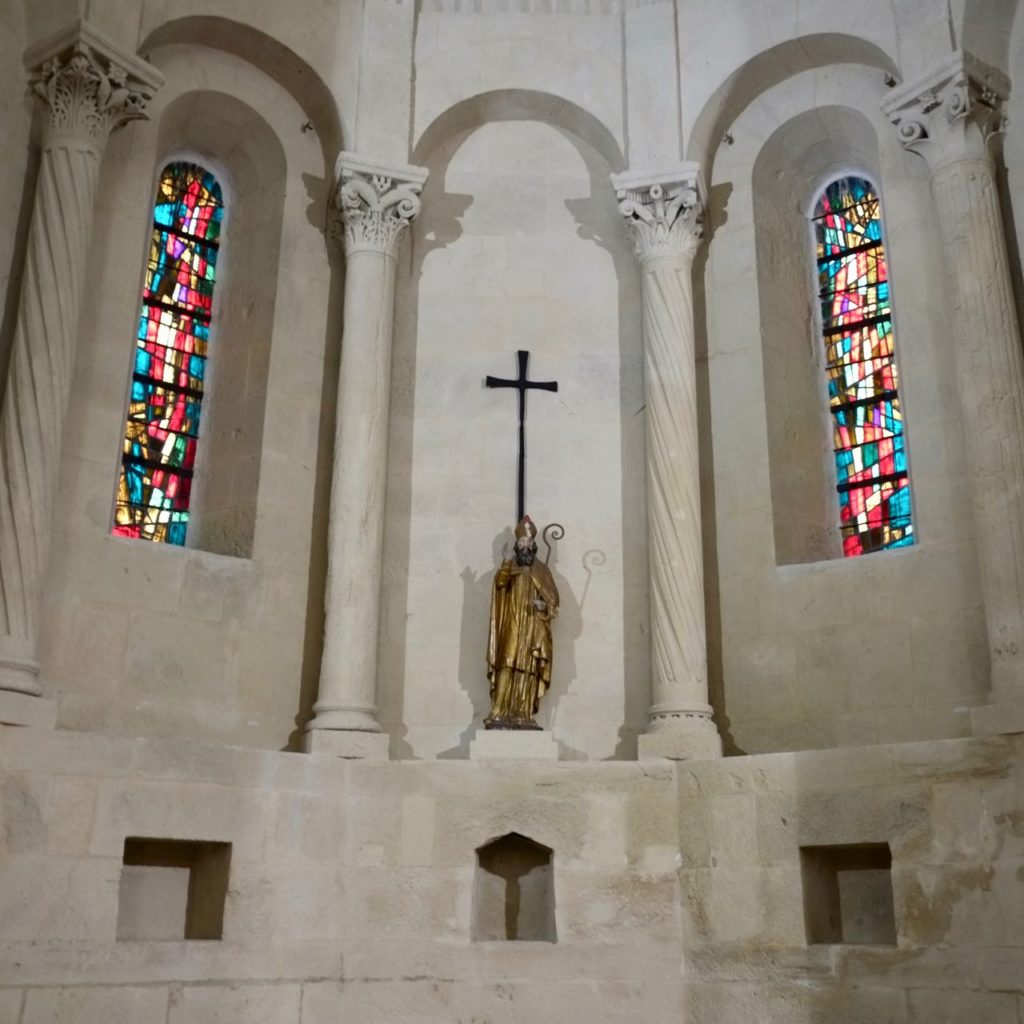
(524, 600)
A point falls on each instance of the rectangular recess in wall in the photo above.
(172, 889)
(848, 894)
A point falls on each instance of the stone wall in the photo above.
(350, 893)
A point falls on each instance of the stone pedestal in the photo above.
(88, 88)
(375, 205)
(949, 118)
(663, 212)
(514, 745)
(348, 743)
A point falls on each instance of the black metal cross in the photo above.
(521, 384)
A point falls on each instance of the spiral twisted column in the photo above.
(663, 212)
(88, 89)
(374, 205)
(949, 118)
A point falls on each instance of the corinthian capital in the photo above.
(88, 86)
(952, 112)
(375, 203)
(663, 210)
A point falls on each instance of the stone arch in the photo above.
(770, 68)
(234, 141)
(520, 105)
(267, 54)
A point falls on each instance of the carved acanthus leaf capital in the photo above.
(88, 86)
(374, 204)
(951, 113)
(663, 210)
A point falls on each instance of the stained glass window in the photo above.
(863, 385)
(169, 367)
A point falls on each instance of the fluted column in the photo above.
(88, 88)
(949, 118)
(376, 205)
(663, 212)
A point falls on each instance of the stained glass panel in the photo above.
(863, 384)
(162, 427)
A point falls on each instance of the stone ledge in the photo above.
(24, 709)
(514, 745)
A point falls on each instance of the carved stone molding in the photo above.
(375, 203)
(88, 86)
(951, 113)
(663, 210)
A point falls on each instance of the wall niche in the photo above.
(514, 894)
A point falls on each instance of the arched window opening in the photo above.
(863, 384)
(169, 369)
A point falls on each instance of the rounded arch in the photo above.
(520, 105)
(767, 69)
(267, 54)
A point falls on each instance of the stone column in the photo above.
(949, 117)
(376, 205)
(88, 88)
(663, 212)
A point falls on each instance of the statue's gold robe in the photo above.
(519, 647)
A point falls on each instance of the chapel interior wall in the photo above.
(146, 638)
(834, 652)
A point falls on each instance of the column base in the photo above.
(18, 671)
(514, 745)
(348, 743)
(27, 709)
(681, 733)
(998, 718)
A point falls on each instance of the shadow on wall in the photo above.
(439, 227)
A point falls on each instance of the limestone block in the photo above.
(58, 898)
(82, 1005)
(990, 1007)
(348, 743)
(680, 746)
(180, 811)
(255, 1004)
(69, 815)
(513, 745)
(24, 709)
(998, 718)
(11, 1000)
(321, 1002)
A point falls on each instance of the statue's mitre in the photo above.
(526, 528)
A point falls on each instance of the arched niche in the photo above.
(514, 891)
(270, 55)
(230, 138)
(519, 245)
(797, 161)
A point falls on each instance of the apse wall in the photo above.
(819, 650)
(219, 638)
